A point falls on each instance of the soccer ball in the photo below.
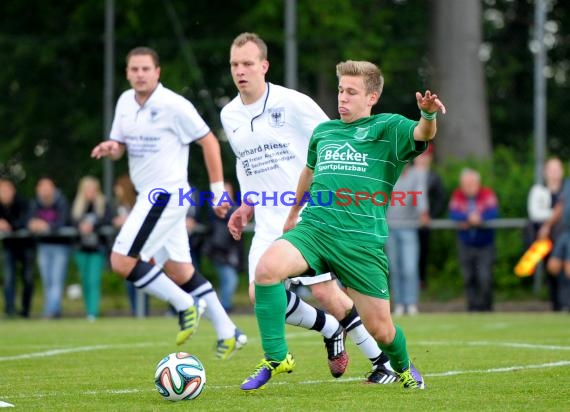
(180, 376)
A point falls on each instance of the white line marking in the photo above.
(5, 405)
(488, 343)
(308, 382)
(63, 351)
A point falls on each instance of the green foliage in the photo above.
(52, 76)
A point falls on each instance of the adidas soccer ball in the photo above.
(180, 376)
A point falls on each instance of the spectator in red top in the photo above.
(471, 205)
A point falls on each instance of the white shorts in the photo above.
(155, 231)
(260, 245)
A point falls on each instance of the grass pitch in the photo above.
(487, 362)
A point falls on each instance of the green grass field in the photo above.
(470, 362)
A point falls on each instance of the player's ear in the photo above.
(373, 98)
(265, 66)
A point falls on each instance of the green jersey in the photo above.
(355, 168)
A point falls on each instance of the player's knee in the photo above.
(120, 264)
(384, 335)
(265, 273)
(321, 293)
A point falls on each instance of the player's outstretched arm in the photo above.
(429, 104)
(109, 148)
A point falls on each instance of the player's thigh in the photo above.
(177, 243)
(149, 227)
(360, 267)
(169, 234)
(279, 262)
(332, 298)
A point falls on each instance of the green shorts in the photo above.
(359, 267)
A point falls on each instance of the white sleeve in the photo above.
(116, 133)
(539, 204)
(309, 115)
(188, 123)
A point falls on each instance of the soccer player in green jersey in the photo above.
(352, 166)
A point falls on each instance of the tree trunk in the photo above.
(458, 79)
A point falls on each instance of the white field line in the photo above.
(516, 345)
(308, 382)
(64, 351)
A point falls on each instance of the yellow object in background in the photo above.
(534, 254)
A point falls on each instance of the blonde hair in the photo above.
(372, 75)
(80, 203)
(245, 37)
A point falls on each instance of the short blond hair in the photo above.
(245, 37)
(372, 75)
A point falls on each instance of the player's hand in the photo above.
(107, 148)
(239, 220)
(221, 210)
(290, 222)
(430, 102)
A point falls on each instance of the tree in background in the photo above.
(51, 79)
(458, 77)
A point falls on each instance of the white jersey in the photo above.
(270, 140)
(157, 136)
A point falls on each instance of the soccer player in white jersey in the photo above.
(268, 127)
(155, 126)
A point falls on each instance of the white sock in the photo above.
(360, 336)
(156, 283)
(300, 313)
(365, 342)
(215, 312)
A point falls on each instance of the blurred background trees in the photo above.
(475, 54)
